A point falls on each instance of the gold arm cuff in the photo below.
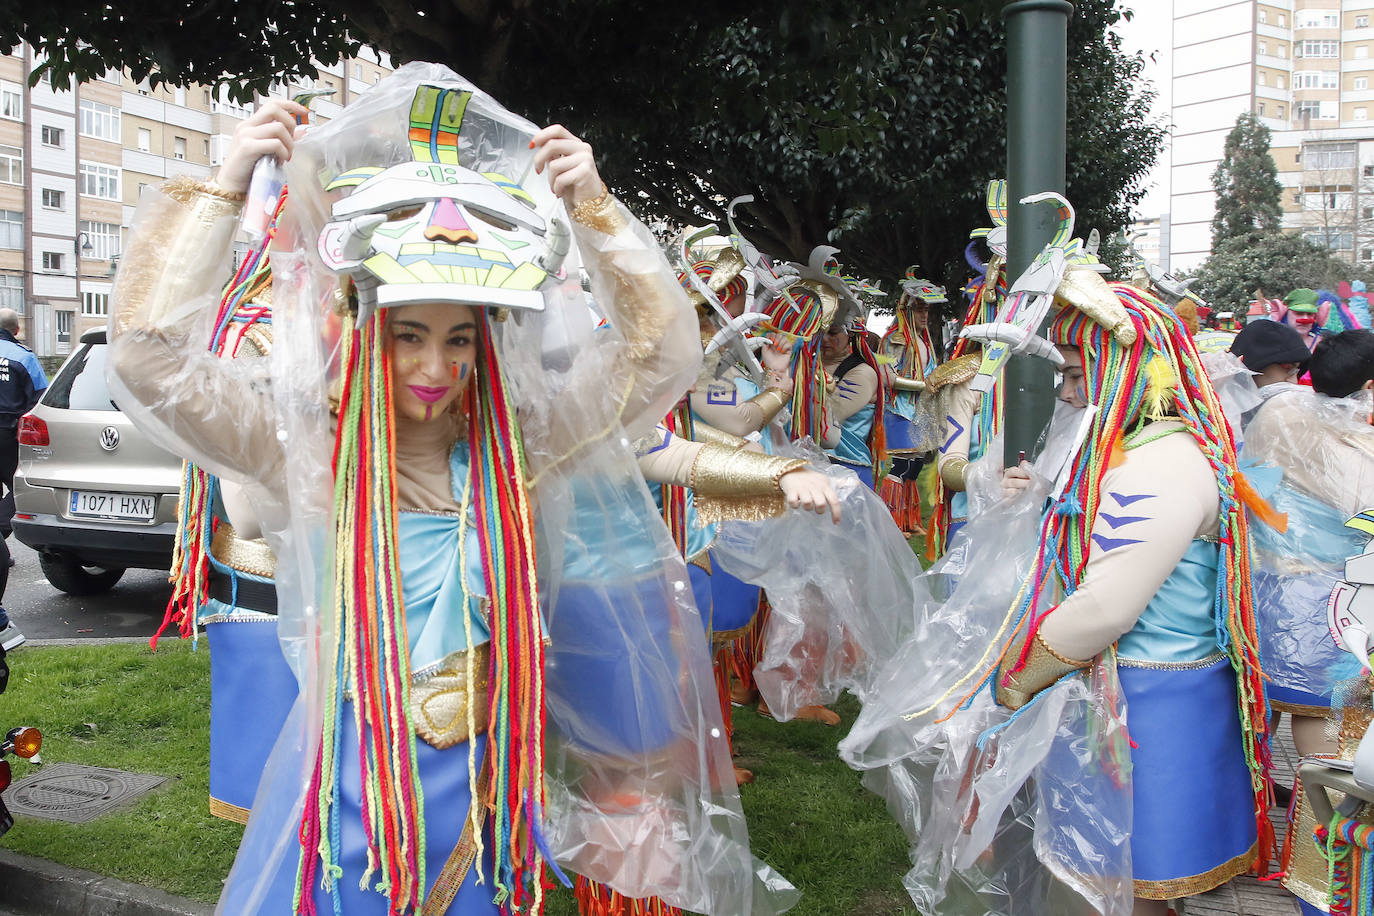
(439, 699)
(1043, 667)
(954, 372)
(599, 213)
(954, 473)
(244, 555)
(185, 189)
(738, 484)
(902, 383)
(771, 401)
(704, 432)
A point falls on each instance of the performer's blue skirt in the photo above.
(864, 471)
(733, 601)
(444, 776)
(900, 432)
(251, 692)
(635, 697)
(1193, 804)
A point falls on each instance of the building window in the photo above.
(12, 293)
(1283, 20)
(11, 229)
(1367, 171)
(51, 136)
(52, 260)
(1263, 47)
(1263, 78)
(1281, 82)
(1320, 48)
(52, 200)
(179, 95)
(205, 148)
(62, 322)
(1361, 82)
(11, 165)
(103, 238)
(178, 147)
(1263, 16)
(95, 305)
(1331, 79)
(1328, 155)
(1306, 79)
(1307, 110)
(99, 121)
(1283, 50)
(1361, 52)
(1280, 111)
(11, 101)
(1327, 238)
(96, 180)
(1361, 22)
(145, 140)
(1367, 254)
(1360, 114)
(207, 98)
(1259, 109)
(1367, 213)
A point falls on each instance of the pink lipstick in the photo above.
(429, 394)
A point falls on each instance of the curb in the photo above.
(36, 885)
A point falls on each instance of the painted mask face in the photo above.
(432, 230)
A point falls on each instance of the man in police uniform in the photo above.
(22, 382)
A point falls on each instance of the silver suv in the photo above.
(92, 495)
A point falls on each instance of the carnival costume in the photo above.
(913, 357)
(1136, 576)
(421, 596)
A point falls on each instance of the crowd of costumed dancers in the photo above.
(496, 507)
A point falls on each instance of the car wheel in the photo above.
(66, 574)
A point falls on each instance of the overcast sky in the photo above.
(1148, 32)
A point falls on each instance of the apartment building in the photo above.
(72, 165)
(1305, 68)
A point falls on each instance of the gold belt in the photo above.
(244, 555)
(441, 697)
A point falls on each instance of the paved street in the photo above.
(133, 608)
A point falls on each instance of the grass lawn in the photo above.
(123, 706)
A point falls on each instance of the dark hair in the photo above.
(1341, 364)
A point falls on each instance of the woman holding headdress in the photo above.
(488, 624)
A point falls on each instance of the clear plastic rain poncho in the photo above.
(1007, 813)
(653, 814)
(1313, 458)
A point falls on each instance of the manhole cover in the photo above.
(77, 794)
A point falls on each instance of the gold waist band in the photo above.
(441, 697)
(244, 555)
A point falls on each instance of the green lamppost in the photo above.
(1037, 51)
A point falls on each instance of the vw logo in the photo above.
(109, 438)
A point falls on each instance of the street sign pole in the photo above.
(1037, 51)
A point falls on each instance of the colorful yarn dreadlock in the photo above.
(802, 325)
(371, 658)
(1347, 843)
(190, 576)
(505, 529)
(679, 422)
(877, 434)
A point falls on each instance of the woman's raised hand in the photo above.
(811, 490)
(571, 168)
(270, 131)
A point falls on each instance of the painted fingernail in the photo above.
(531, 144)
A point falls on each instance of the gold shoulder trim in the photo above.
(954, 372)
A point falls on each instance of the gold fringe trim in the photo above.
(1198, 884)
(227, 811)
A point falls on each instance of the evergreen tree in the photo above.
(1247, 184)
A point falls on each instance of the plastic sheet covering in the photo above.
(642, 794)
(840, 596)
(1313, 458)
(1036, 819)
(1235, 388)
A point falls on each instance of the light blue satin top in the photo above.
(1179, 624)
(432, 577)
(853, 445)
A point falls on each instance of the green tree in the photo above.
(874, 126)
(1247, 184)
(1276, 262)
